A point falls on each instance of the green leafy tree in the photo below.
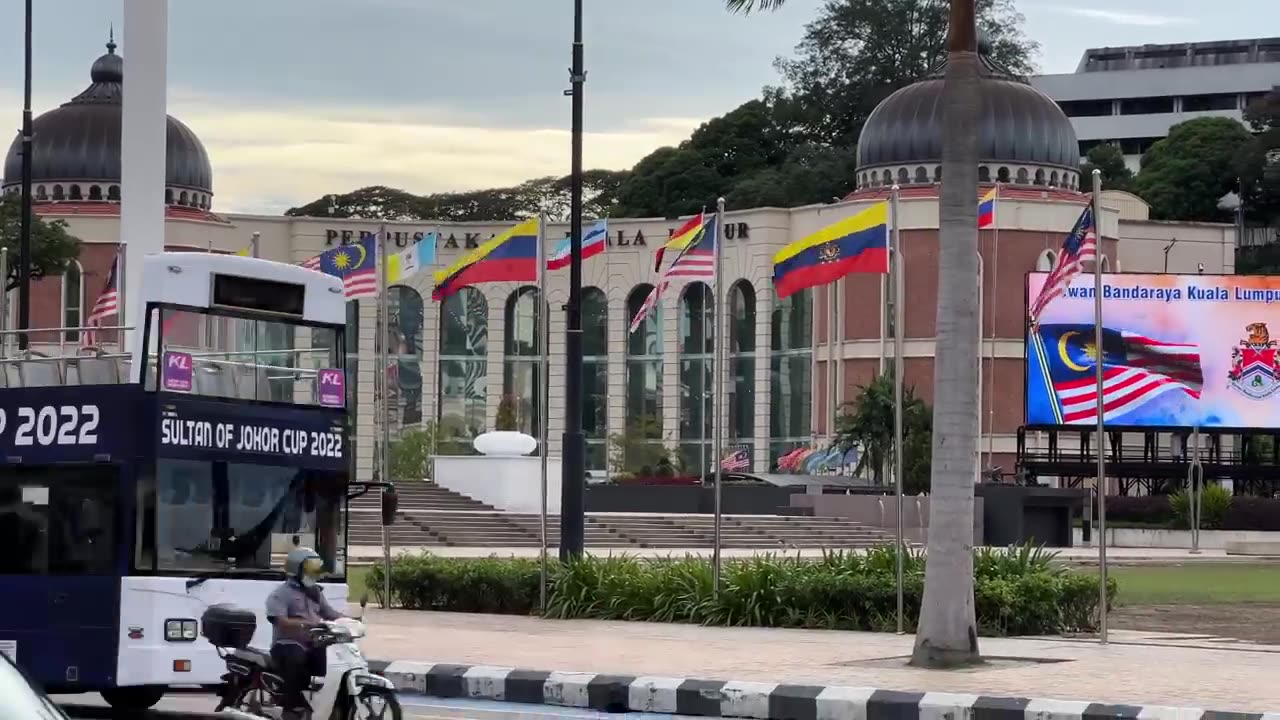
(639, 450)
(52, 247)
(410, 456)
(1108, 158)
(1184, 175)
(1258, 164)
(857, 52)
(868, 423)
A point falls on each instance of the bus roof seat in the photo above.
(96, 371)
(40, 373)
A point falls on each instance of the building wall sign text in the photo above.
(470, 241)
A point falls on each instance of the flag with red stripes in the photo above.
(1081, 246)
(695, 261)
(107, 305)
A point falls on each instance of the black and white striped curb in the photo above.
(764, 701)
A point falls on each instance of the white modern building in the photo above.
(1131, 96)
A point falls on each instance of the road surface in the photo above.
(198, 705)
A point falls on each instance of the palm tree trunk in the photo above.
(948, 635)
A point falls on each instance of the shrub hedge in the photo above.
(1018, 591)
(1243, 512)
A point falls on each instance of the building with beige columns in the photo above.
(466, 360)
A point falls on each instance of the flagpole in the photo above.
(831, 360)
(995, 307)
(981, 289)
(718, 383)
(384, 468)
(1102, 436)
(543, 402)
(898, 330)
(435, 399)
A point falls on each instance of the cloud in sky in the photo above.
(1121, 17)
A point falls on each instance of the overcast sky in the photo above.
(296, 98)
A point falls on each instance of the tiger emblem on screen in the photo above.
(1255, 363)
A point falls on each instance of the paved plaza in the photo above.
(1136, 668)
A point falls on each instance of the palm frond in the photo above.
(746, 7)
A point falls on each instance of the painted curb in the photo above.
(763, 701)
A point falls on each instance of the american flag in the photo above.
(1136, 369)
(697, 261)
(1080, 246)
(739, 459)
(107, 305)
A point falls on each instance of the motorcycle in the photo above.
(252, 690)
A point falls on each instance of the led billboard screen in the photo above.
(1177, 351)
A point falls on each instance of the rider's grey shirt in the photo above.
(291, 600)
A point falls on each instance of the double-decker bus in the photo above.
(137, 489)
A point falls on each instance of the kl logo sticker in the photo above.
(1255, 367)
(333, 388)
(178, 371)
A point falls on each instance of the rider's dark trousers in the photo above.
(296, 665)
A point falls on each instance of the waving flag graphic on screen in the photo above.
(1136, 371)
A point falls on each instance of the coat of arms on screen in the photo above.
(1255, 367)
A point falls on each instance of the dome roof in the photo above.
(80, 141)
(1016, 124)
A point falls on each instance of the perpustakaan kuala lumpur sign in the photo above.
(467, 240)
(67, 424)
(192, 428)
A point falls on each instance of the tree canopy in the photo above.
(53, 248)
(795, 145)
(1108, 158)
(1185, 175)
(1258, 162)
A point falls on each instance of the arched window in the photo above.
(1022, 176)
(41, 193)
(405, 307)
(984, 173)
(888, 177)
(937, 173)
(521, 405)
(643, 433)
(1106, 264)
(595, 376)
(1039, 177)
(904, 177)
(464, 370)
(182, 199)
(790, 374)
(95, 193)
(168, 196)
(742, 365)
(1002, 175)
(697, 340)
(72, 299)
(1053, 179)
(1044, 263)
(75, 193)
(922, 175)
(113, 193)
(57, 193)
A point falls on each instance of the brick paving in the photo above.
(1137, 668)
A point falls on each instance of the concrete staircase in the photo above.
(432, 516)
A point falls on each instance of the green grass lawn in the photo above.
(1197, 584)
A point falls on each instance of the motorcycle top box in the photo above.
(228, 626)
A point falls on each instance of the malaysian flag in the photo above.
(1080, 246)
(739, 459)
(696, 261)
(1136, 370)
(107, 305)
(355, 264)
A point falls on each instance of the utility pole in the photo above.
(573, 451)
(24, 242)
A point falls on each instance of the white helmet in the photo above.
(304, 565)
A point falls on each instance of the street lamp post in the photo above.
(573, 452)
(24, 242)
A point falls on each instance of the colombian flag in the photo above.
(857, 244)
(510, 257)
(681, 239)
(987, 209)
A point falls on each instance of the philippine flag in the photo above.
(593, 243)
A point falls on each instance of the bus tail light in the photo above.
(182, 666)
(180, 630)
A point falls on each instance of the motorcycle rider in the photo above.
(293, 609)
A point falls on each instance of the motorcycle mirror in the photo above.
(390, 504)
